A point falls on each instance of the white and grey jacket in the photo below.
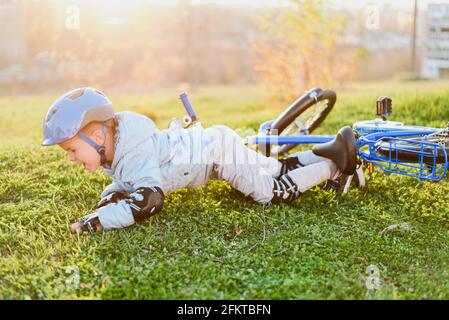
(148, 157)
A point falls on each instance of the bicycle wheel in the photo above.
(302, 117)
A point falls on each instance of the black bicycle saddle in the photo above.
(340, 150)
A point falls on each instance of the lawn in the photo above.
(212, 243)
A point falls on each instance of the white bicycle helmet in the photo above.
(74, 110)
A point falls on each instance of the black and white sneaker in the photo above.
(337, 185)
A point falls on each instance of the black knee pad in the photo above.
(145, 202)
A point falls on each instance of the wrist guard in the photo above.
(89, 222)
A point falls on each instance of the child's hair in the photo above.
(112, 123)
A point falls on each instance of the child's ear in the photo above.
(98, 136)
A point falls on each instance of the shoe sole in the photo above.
(349, 136)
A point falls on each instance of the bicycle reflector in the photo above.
(384, 107)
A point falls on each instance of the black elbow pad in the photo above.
(145, 202)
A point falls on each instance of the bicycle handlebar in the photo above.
(188, 106)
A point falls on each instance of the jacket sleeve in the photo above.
(115, 216)
(139, 168)
(113, 187)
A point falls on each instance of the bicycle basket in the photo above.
(408, 157)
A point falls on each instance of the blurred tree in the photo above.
(302, 48)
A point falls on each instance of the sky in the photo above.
(349, 3)
(400, 4)
(406, 5)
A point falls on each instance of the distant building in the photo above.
(436, 56)
(13, 44)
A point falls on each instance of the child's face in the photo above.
(81, 153)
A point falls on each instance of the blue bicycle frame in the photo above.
(379, 143)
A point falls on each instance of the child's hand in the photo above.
(87, 224)
(76, 228)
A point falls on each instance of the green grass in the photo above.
(212, 243)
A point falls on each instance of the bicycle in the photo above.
(391, 146)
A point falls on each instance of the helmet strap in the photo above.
(99, 148)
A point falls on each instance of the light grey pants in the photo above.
(253, 174)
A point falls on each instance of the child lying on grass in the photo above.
(146, 164)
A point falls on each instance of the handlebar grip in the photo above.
(188, 106)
